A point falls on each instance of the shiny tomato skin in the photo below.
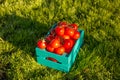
(74, 26)
(49, 48)
(68, 50)
(55, 43)
(69, 31)
(59, 30)
(76, 35)
(68, 43)
(65, 36)
(41, 44)
(59, 50)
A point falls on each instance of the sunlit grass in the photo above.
(24, 22)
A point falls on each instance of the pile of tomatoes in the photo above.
(61, 39)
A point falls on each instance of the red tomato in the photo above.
(59, 50)
(68, 50)
(65, 36)
(49, 48)
(52, 59)
(74, 26)
(69, 31)
(41, 44)
(76, 35)
(68, 43)
(55, 43)
(59, 30)
(74, 41)
(62, 23)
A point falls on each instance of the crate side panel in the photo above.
(80, 43)
(76, 48)
(51, 64)
(44, 53)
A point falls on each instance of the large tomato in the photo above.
(55, 43)
(49, 48)
(69, 31)
(59, 30)
(74, 26)
(76, 35)
(59, 50)
(41, 44)
(68, 43)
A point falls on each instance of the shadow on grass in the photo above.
(23, 33)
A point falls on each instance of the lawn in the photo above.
(24, 22)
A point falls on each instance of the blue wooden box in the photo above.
(65, 61)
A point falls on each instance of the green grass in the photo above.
(24, 22)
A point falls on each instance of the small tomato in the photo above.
(49, 48)
(74, 26)
(69, 31)
(68, 43)
(59, 50)
(76, 35)
(55, 43)
(41, 44)
(68, 50)
(59, 30)
(65, 36)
